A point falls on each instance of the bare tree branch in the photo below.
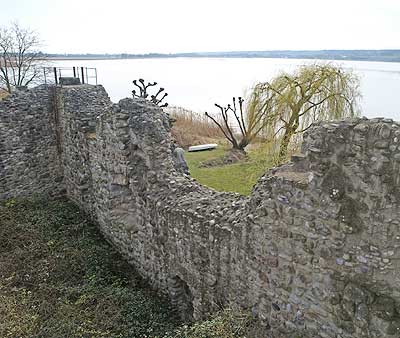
(144, 94)
(220, 127)
(20, 59)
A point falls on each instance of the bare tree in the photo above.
(249, 122)
(21, 62)
(143, 92)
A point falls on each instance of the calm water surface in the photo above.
(198, 83)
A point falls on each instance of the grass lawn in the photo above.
(239, 177)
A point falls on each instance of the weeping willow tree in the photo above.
(290, 103)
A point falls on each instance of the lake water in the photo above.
(198, 83)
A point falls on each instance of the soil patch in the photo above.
(230, 157)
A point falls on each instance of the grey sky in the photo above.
(132, 26)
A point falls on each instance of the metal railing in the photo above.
(86, 75)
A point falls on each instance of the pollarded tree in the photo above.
(21, 62)
(143, 92)
(312, 93)
(247, 123)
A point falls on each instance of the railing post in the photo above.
(83, 75)
(55, 75)
(74, 71)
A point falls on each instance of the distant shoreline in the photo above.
(335, 55)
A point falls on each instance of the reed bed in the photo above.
(192, 128)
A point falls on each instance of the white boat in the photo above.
(202, 147)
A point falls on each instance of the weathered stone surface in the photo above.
(314, 250)
(29, 146)
(69, 81)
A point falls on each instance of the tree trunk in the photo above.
(285, 143)
(5, 76)
(243, 144)
(234, 143)
(239, 147)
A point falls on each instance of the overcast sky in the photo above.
(132, 26)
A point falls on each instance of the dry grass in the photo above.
(228, 323)
(3, 94)
(191, 128)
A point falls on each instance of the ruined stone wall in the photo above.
(314, 250)
(29, 146)
(331, 225)
(78, 108)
